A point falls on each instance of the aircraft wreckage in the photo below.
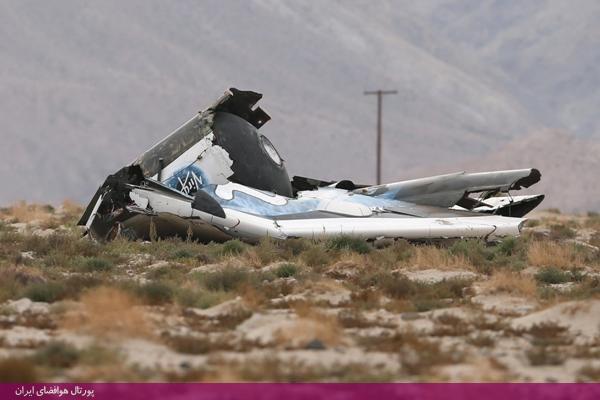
(216, 178)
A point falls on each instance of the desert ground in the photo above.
(523, 309)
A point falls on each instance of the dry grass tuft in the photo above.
(450, 325)
(418, 355)
(589, 373)
(316, 256)
(553, 254)
(348, 265)
(108, 312)
(69, 207)
(478, 369)
(311, 325)
(545, 355)
(254, 299)
(505, 281)
(23, 212)
(18, 370)
(481, 340)
(549, 334)
(595, 239)
(368, 298)
(593, 221)
(264, 253)
(435, 257)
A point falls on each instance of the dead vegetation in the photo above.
(432, 256)
(507, 281)
(311, 328)
(106, 311)
(553, 254)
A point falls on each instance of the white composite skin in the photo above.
(244, 225)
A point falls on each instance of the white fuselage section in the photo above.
(353, 219)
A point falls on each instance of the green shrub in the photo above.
(427, 304)
(189, 344)
(61, 243)
(344, 242)
(183, 253)
(294, 247)
(10, 287)
(587, 289)
(423, 296)
(97, 354)
(508, 246)
(121, 246)
(387, 257)
(199, 298)
(267, 250)
(475, 251)
(188, 250)
(552, 275)
(95, 264)
(75, 284)
(233, 247)
(394, 286)
(428, 296)
(48, 292)
(57, 355)
(315, 256)
(225, 280)
(173, 248)
(545, 355)
(559, 231)
(509, 252)
(155, 293)
(168, 273)
(286, 270)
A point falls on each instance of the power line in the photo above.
(380, 93)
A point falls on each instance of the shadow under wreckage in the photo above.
(216, 178)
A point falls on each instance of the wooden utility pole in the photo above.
(379, 94)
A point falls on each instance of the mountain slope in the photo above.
(548, 51)
(569, 167)
(85, 88)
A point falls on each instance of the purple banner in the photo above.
(294, 391)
